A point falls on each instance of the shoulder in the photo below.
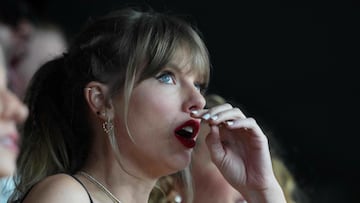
(57, 188)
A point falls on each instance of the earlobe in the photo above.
(95, 95)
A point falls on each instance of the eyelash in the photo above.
(161, 76)
(200, 86)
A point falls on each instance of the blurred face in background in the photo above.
(12, 112)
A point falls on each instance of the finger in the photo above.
(214, 144)
(198, 113)
(206, 114)
(226, 115)
(248, 124)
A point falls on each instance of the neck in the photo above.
(122, 178)
(124, 186)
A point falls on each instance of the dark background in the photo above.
(293, 68)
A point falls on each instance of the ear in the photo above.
(98, 101)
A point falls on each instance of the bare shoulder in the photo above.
(57, 188)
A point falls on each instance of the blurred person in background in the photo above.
(28, 41)
(12, 112)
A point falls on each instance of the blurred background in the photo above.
(294, 69)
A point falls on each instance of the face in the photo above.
(210, 185)
(12, 112)
(159, 120)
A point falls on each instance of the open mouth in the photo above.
(187, 132)
(10, 142)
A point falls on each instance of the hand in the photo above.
(240, 150)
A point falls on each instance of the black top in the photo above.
(91, 201)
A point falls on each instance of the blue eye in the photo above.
(197, 86)
(166, 78)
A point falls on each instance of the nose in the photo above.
(11, 108)
(194, 100)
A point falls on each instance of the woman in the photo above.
(12, 112)
(122, 108)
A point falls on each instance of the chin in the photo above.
(7, 164)
(6, 169)
(180, 162)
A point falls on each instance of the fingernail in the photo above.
(206, 116)
(229, 123)
(195, 112)
(214, 118)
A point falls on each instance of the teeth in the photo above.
(188, 129)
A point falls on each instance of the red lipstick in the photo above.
(187, 132)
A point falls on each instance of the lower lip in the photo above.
(189, 143)
(10, 145)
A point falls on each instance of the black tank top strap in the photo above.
(91, 201)
(23, 198)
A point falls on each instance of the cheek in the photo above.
(148, 114)
(146, 109)
(151, 104)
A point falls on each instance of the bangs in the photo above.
(193, 60)
(188, 56)
(195, 56)
(166, 42)
(200, 64)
